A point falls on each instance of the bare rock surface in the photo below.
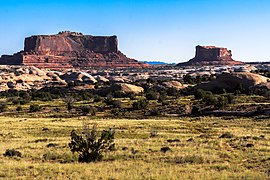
(235, 80)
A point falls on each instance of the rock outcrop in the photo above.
(68, 49)
(211, 55)
(233, 81)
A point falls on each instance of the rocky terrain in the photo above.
(211, 55)
(68, 49)
(30, 77)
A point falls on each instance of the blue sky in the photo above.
(165, 30)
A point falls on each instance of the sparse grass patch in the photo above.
(197, 150)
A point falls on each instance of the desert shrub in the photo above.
(12, 152)
(155, 112)
(86, 95)
(140, 104)
(111, 102)
(165, 103)
(222, 101)
(195, 111)
(24, 101)
(119, 94)
(69, 102)
(88, 109)
(25, 97)
(199, 94)
(19, 108)
(34, 108)
(89, 146)
(14, 100)
(132, 96)
(42, 96)
(3, 106)
(230, 98)
(115, 112)
(162, 97)
(116, 104)
(97, 98)
(188, 79)
(210, 99)
(152, 95)
(172, 92)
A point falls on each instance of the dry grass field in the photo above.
(197, 149)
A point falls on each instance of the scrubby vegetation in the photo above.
(161, 133)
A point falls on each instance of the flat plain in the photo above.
(198, 149)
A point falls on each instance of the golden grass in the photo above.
(205, 156)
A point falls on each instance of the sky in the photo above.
(151, 30)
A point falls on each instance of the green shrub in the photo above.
(3, 106)
(89, 146)
(199, 94)
(140, 104)
(34, 108)
(152, 95)
(97, 98)
(88, 109)
(19, 108)
(69, 102)
(111, 102)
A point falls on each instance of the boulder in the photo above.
(232, 81)
(174, 84)
(101, 79)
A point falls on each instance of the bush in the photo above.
(89, 146)
(132, 96)
(155, 112)
(12, 152)
(210, 99)
(34, 108)
(14, 100)
(199, 94)
(115, 112)
(69, 102)
(152, 95)
(140, 104)
(3, 106)
(97, 98)
(88, 109)
(114, 103)
(19, 108)
(42, 96)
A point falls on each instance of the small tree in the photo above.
(89, 146)
(69, 102)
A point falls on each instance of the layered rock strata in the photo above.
(68, 49)
(211, 55)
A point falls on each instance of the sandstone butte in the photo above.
(70, 49)
(211, 55)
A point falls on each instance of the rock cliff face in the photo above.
(68, 49)
(211, 55)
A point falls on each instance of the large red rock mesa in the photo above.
(70, 49)
(211, 55)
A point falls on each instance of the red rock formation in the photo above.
(69, 49)
(211, 55)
